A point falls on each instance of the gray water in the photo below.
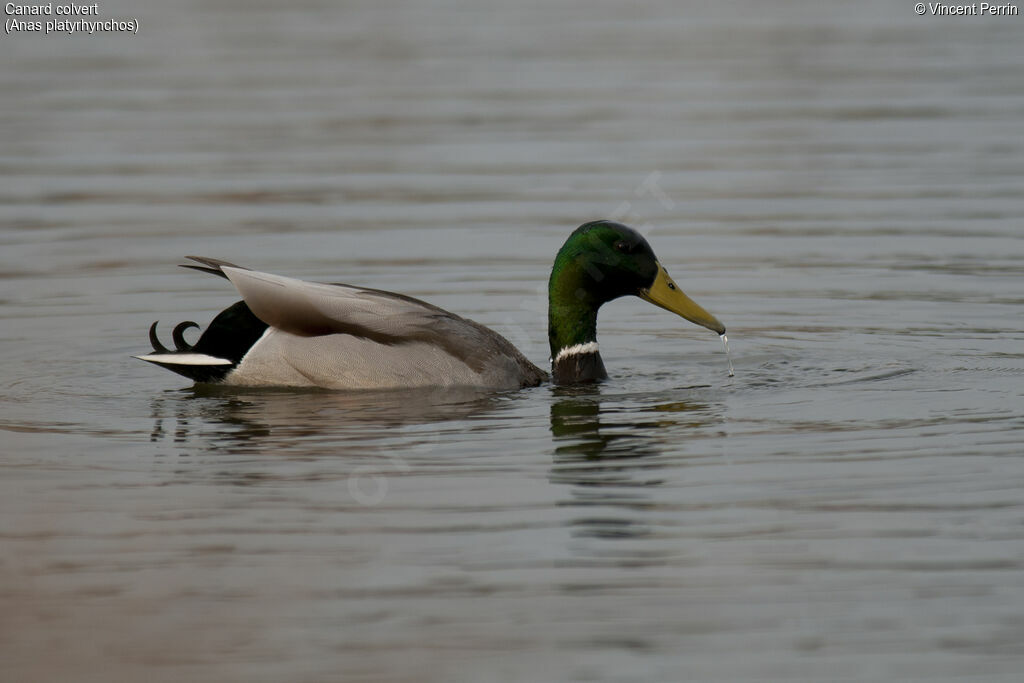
(842, 184)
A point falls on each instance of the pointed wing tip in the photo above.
(214, 266)
(211, 266)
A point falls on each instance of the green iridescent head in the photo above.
(599, 262)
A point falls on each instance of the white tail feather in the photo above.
(184, 359)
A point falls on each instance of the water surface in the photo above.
(842, 186)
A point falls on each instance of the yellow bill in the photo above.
(666, 293)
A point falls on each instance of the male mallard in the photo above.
(288, 332)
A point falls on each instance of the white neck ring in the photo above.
(589, 347)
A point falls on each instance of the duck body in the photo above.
(292, 333)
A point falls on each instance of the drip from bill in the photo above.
(728, 356)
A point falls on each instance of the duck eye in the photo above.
(672, 286)
(622, 246)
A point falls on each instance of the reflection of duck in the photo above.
(303, 422)
(586, 456)
(288, 332)
(590, 453)
(611, 467)
(602, 469)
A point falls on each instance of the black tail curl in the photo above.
(155, 341)
(228, 337)
(178, 335)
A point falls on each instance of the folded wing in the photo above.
(309, 309)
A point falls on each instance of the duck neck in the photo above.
(572, 331)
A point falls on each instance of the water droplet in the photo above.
(728, 357)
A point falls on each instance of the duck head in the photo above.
(599, 262)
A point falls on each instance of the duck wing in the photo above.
(312, 309)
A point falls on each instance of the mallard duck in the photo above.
(292, 333)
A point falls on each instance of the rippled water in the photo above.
(841, 184)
